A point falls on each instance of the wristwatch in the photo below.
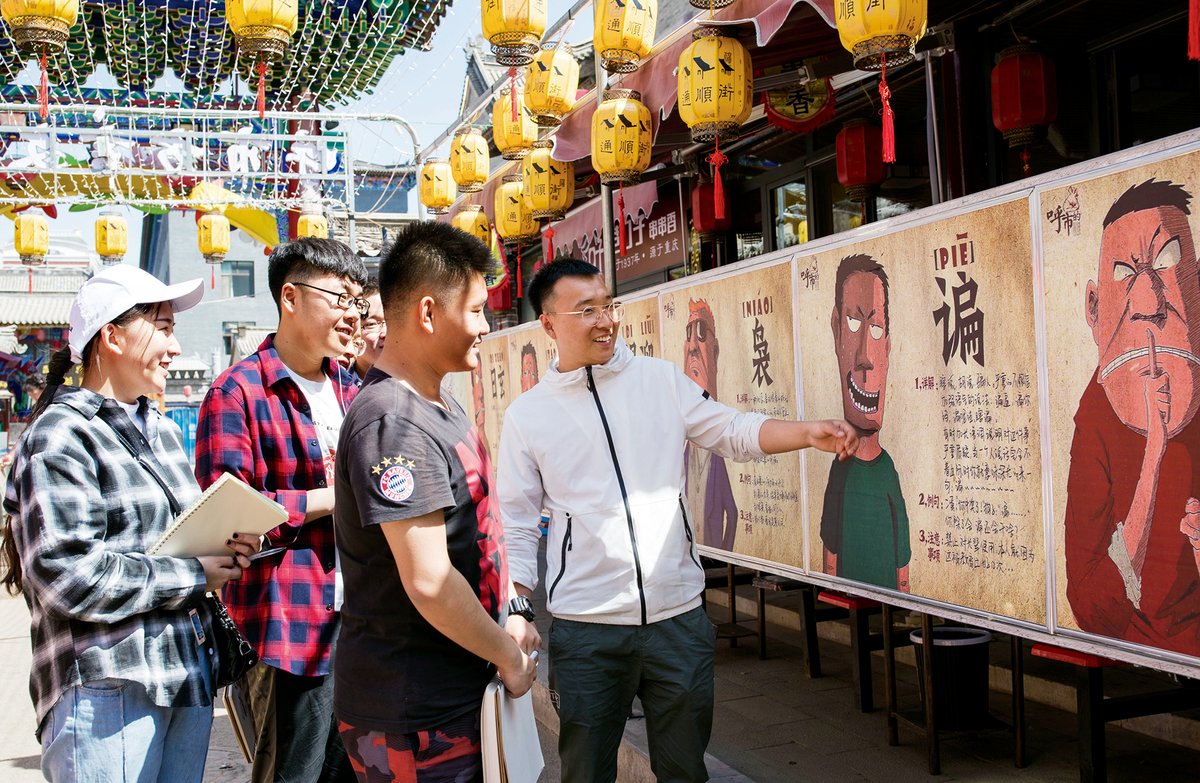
(523, 607)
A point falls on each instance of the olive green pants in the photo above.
(596, 670)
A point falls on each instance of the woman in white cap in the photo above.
(122, 679)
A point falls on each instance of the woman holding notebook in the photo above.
(122, 677)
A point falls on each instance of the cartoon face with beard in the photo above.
(862, 341)
(700, 347)
(1144, 307)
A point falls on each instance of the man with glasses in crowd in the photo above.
(372, 332)
(599, 442)
(273, 420)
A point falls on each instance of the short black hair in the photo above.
(35, 381)
(430, 257)
(370, 288)
(861, 262)
(1150, 194)
(528, 350)
(543, 282)
(308, 257)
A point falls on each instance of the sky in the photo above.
(423, 87)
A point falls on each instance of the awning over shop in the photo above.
(35, 309)
(656, 79)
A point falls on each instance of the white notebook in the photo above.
(229, 506)
(512, 752)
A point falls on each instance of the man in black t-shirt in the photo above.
(419, 536)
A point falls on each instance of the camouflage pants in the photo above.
(448, 753)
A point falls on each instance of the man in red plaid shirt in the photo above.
(273, 420)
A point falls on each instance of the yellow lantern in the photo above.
(112, 237)
(213, 236)
(624, 32)
(263, 29)
(513, 132)
(312, 224)
(514, 220)
(472, 219)
(437, 189)
(549, 183)
(514, 28)
(41, 28)
(716, 88)
(31, 238)
(469, 162)
(880, 35)
(551, 84)
(621, 137)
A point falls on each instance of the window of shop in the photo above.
(237, 278)
(790, 211)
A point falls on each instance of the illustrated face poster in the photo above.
(459, 386)
(530, 351)
(1123, 348)
(490, 390)
(639, 327)
(734, 338)
(924, 341)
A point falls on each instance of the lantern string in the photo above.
(518, 270)
(31, 279)
(1025, 160)
(889, 116)
(621, 219)
(43, 89)
(213, 282)
(1194, 30)
(718, 159)
(512, 83)
(262, 87)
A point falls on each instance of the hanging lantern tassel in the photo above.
(512, 85)
(518, 270)
(889, 117)
(1194, 30)
(44, 89)
(548, 243)
(262, 88)
(1025, 160)
(718, 159)
(621, 219)
(31, 280)
(213, 283)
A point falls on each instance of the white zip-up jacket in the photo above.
(601, 448)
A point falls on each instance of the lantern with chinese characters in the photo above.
(112, 237)
(213, 236)
(621, 137)
(514, 131)
(437, 188)
(551, 84)
(514, 220)
(716, 90)
(514, 28)
(704, 211)
(880, 35)
(1024, 96)
(549, 183)
(31, 238)
(472, 219)
(802, 108)
(624, 32)
(263, 30)
(312, 224)
(469, 163)
(859, 164)
(40, 28)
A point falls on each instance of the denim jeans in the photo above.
(108, 730)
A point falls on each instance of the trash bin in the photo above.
(960, 676)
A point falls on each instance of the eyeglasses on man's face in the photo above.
(590, 315)
(372, 324)
(342, 298)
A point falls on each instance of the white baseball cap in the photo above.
(116, 289)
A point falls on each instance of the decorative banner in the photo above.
(1123, 358)
(640, 327)
(656, 243)
(924, 341)
(490, 387)
(802, 108)
(458, 385)
(734, 337)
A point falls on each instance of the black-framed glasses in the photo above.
(699, 329)
(344, 300)
(591, 314)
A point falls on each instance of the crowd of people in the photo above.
(400, 584)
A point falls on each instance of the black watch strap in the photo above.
(522, 606)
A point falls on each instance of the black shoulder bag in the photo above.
(235, 655)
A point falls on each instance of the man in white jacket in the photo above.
(599, 443)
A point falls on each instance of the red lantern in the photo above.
(860, 159)
(1024, 96)
(704, 216)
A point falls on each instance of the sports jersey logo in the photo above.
(396, 483)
